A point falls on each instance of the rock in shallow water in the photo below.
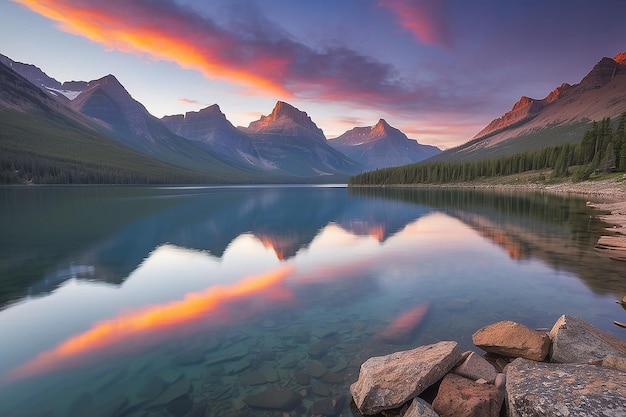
(537, 389)
(475, 367)
(509, 338)
(576, 341)
(386, 382)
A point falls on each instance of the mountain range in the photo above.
(202, 146)
(95, 132)
(562, 116)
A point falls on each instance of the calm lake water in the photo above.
(219, 301)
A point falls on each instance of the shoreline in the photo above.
(609, 190)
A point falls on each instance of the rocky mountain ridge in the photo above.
(562, 116)
(286, 142)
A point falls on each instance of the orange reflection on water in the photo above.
(158, 318)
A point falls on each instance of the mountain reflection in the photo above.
(111, 231)
(102, 234)
(558, 229)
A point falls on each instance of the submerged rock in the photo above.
(509, 338)
(328, 407)
(537, 389)
(387, 382)
(576, 341)
(176, 390)
(316, 369)
(461, 397)
(274, 399)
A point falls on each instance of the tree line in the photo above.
(23, 167)
(602, 149)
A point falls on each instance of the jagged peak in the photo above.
(212, 111)
(620, 58)
(382, 128)
(523, 102)
(382, 125)
(557, 93)
(285, 110)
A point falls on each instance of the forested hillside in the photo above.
(602, 149)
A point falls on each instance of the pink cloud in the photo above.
(190, 101)
(423, 18)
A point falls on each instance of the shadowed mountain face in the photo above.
(562, 116)
(210, 127)
(381, 146)
(108, 102)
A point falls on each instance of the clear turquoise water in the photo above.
(207, 300)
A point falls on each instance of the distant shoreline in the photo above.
(605, 190)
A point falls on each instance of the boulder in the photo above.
(576, 341)
(387, 382)
(420, 408)
(536, 389)
(462, 397)
(274, 399)
(509, 338)
(475, 367)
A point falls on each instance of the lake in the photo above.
(259, 301)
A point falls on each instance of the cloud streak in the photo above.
(251, 51)
(423, 18)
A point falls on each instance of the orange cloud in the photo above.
(165, 31)
(423, 18)
(250, 51)
(160, 318)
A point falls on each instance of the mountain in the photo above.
(210, 127)
(44, 141)
(291, 143)
(381, 146)
(107, 101)
(561, 116)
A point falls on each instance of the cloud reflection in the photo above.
(141, 326)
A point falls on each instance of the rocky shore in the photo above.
(572, 370)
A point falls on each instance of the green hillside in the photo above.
(44, 148)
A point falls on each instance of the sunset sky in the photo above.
(438, 70)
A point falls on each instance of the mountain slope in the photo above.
(381, 146)
(291, 143)
(562, 116)
(43, 141)
(210, 128)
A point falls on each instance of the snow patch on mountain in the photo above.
(67, 93)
